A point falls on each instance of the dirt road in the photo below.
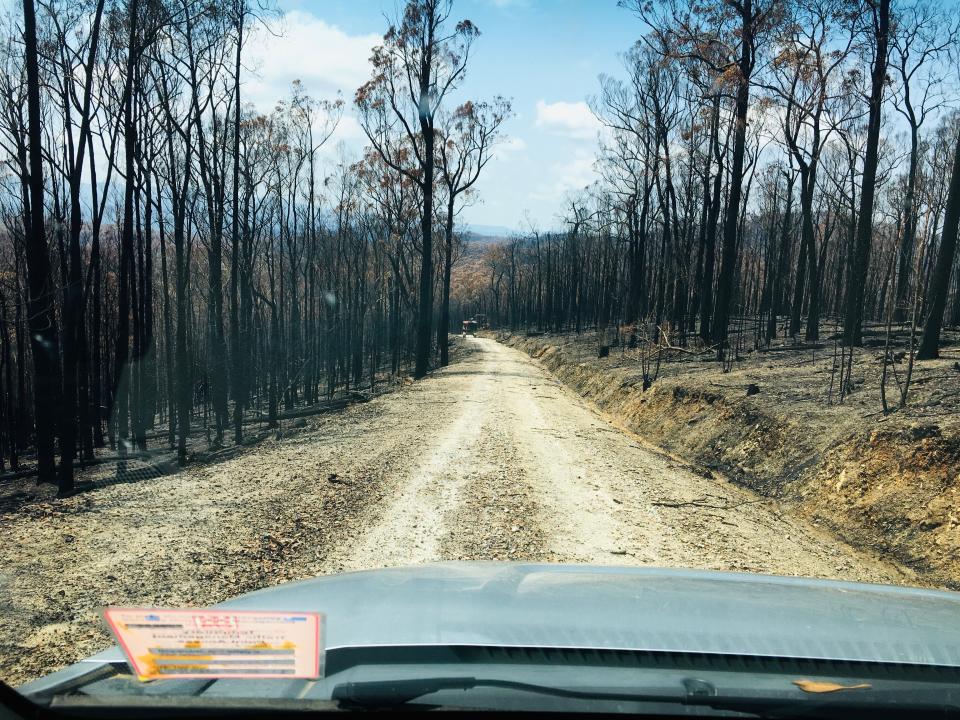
(512, 460)
(490, 458)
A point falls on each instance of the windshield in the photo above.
(633, 295)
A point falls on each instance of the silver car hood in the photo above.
(650, 609)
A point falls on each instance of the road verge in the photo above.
(888, 484)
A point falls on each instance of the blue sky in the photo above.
(545, 55)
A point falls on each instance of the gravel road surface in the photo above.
(512, 464)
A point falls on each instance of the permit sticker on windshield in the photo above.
(162, 644)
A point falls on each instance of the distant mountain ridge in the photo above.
(491, 231)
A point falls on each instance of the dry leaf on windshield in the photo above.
(814, 686)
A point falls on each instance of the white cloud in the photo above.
(510, 146)
(569, 175)
(301, 46)
(573, 119)
(349, 135)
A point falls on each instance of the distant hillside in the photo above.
(490, 231)
(478, 242)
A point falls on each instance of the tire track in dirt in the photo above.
(412, 525)
(498, 518)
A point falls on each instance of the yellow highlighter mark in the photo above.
(149, 665)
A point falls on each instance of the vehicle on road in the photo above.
(582, 639)
(470, 327)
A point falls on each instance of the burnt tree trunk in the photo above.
(728, 259)
(853, 324)
(44, 339)
(940, 282)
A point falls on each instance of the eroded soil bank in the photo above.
(886, 483)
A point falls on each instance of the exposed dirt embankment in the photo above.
(885, 483)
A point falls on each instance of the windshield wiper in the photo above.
(908, 703)
(390, 693)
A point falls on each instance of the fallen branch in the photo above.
(683, 350)
(788, 348)
(670, 346)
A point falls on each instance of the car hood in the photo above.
(628, 608)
